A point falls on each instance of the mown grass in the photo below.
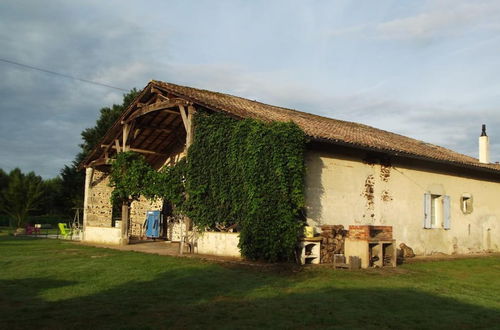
(56, 284)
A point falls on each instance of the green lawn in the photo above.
(56, 284)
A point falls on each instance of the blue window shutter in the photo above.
(447, 212)
(427, 210)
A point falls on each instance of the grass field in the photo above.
(54, 284)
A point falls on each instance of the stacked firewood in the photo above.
(332, 242)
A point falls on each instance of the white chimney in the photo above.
(484, 147)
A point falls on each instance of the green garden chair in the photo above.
(64, 231)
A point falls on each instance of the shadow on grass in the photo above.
(220, 298)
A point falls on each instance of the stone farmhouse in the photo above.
(435, 199)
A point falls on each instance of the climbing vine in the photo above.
(131, 176)
(250, 174)
(129, 171)
(239, 173)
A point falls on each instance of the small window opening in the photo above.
(466, 203)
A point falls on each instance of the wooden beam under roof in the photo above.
(161, 129)
(155, 90)
(159, 106)
(142, 151)
(99, 162)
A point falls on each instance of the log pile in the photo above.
(332, 242)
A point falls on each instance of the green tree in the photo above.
(72, 179)
(4, 182)
(92, 136)
(52, 196)
(72, 182)
(23, 194)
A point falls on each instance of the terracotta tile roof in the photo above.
(326, 129)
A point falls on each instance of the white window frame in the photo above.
(437, 211)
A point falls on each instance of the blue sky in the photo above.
(426, 69)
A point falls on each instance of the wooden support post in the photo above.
(89, 173)
(190, 130)
(181, 245)
(126, 130)
(124, 227)
(187, 120)
(117, 146)
(182, 110)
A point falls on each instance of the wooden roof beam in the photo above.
(159, 106)
(141, 151)
(98, 162)
(161, 129)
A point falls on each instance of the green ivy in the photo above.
(249, 173)
(131, 176)
(168, 184)
(243, 173)
(128, 177)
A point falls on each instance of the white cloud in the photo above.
(99, 42)
(444, 19)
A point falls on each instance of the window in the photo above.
(436, 211)
(466, 203)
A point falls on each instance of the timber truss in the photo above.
(158, 124)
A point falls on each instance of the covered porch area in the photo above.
(158, 125)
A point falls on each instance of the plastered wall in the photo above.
(347, 189)
(103, 235)
(221, 244)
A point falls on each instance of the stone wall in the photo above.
(138, 211)
(99, 208)
(174, 230)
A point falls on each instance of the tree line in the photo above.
(27, 194)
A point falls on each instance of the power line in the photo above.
(61, 74)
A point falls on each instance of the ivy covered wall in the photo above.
(244, 174)
(250, 174)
